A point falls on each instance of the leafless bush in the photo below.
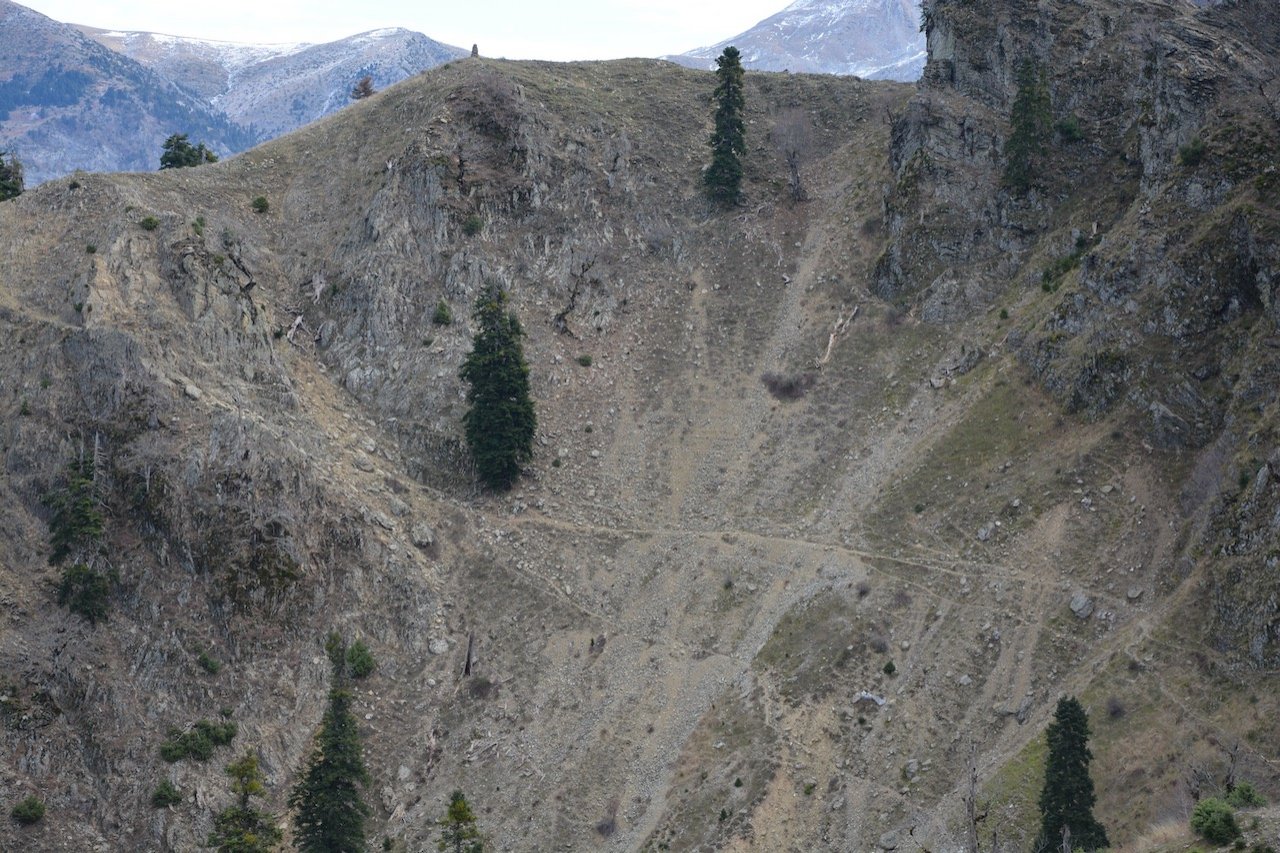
(492, 106)
(791, 136)
(792, 387)
(878, 643)
(864, 589)
(1115, 708)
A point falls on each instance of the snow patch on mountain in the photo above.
(875, 39)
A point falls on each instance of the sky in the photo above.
(515, 29)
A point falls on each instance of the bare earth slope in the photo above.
(682, 615)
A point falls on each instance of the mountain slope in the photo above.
(875, 39)
(888, 425)
(68, 103)
(279, 88)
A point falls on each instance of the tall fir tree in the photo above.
(241, 828)
(1030, 120)
(458, 831)
(10, 177)
(330, 810)
(1067, 798)
(728, 141)
(501, 422)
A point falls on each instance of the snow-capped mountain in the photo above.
(275, 88)
(67, 103)
(876, 39)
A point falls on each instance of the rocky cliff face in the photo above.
(1158, 199)
(811, 440)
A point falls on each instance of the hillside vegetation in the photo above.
(1018, 442)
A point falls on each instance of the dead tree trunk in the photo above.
(471, 644)
(972, 815)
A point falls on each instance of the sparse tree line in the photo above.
(329, 813)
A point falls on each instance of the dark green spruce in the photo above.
(10, 177)
(1067, 798)
(179, 153)
(1031, 125)
(501, 422)
(330, 810)
(728, 141)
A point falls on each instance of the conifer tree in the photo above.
(241, 828)
(10, 177)
(1031, 125)
(501, 421)
(1067, 798)
(728, 142)
(179, 153)
(458, 831)
(330, 811)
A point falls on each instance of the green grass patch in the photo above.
(1014, 792)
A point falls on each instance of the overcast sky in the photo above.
(516, 29)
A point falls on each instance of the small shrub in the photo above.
(1004, 313)
(166, 794)
(261, 205)
(25, 409)
(890, 669)
(74, 185)
(29, 811)
(1192, 154)
(90, 248)
(724, 815)
(198, 226)
(472, 225)
(737, 783)
(556, 463)
(918, 508)
(584, 360)
(442, 316)
(198, 742)
(809, 788)
(209, 663)
(86, 591)
(863, 589)
(149, 223)
(1115, 708)
(1245, 796)
(360, 660)
(78, 307)
(1069, 129)
(1215, 821)
(793, 387)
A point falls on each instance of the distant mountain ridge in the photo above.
(276, 88)
(77, 97)
(874, 39)
(67, 102)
